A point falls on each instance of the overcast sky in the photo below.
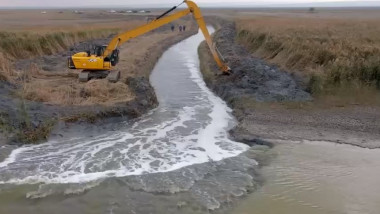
(155, 3)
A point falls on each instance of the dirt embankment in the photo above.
(29, 111)
(269, 105)
(251, 77)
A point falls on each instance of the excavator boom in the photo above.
(106, 57)
(124, 37)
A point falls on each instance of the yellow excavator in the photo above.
(99, 64)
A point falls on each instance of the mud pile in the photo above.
(252, 81)
(254, 87)
(251, 77)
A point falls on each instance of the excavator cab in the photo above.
(99, 50)
(112, 58)
(95, 65)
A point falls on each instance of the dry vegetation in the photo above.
(36, 35)
(40, 36)
(57, 33)
(58, 87)
(339, 58)
(19, 45)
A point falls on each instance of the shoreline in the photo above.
(278, 113)
(44, 117)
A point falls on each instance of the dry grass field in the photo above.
(29, 34)
(337, 53)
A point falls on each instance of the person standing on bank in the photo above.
(180, 28)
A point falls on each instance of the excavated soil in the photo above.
(250, 77)
(261, 96)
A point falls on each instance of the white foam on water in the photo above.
(216, 130)
(161, 141)
(12, 157)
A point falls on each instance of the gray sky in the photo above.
(155, 3)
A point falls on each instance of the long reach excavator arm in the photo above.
(105, 57)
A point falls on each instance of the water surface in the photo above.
(100, 174)
(318, 178)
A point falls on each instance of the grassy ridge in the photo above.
(28, 44)
(331, 53)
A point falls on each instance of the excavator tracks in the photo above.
(86, 75)
(113, 76)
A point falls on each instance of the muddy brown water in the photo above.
(318, 178)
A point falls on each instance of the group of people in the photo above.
(180, 27)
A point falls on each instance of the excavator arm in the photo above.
(108, 56)
(124, 37)
(202, 25)
(162, 20)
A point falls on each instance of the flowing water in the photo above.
(190, 127)
(318, 178)
(178, 159)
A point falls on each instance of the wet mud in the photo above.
(250, 77)
(261, 96)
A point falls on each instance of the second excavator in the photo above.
(100, 63)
